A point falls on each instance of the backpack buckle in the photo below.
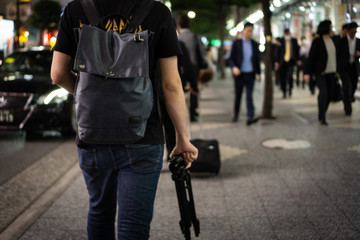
(138, 38)
(110, 74)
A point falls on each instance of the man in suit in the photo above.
(349, 53)
(245, 64)
(287, 58)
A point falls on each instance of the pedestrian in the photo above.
(276, 45)
(342, 34)
(349, 67)
(303, 54)
(288, 57)
(322, 62)
(245, 64)
(197, 57)
(125, 176)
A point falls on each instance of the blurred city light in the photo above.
(277, 3)
(168, 4)
(256, 16)
(272, 8)
(191, 14)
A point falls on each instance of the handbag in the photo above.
(337, 92)
(205, 75)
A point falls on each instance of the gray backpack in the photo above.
(113, 91)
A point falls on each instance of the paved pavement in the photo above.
(303, 185)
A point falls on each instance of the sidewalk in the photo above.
(308, 192)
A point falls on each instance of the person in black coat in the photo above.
(349, 53)
(287, 58)
(245, 64)
(322, 62)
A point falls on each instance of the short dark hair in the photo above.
(352, 25)
(248, 24)
(324, 27)
(286, 30)
(345, 26)
(183, 21)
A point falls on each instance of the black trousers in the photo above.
(354, 79)
(286, 77)
(326, 85)
(346, 80)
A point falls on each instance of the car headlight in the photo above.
(56, 96)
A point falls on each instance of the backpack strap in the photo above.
(91, 12)
(138, 16)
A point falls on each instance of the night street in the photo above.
(288, 178)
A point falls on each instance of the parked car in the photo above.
(28, 99)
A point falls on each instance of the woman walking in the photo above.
(322, 62)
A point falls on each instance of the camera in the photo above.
(177, 167)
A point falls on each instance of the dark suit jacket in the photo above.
(295, 49)
(317, 60)
(344, 55)
(236, 56)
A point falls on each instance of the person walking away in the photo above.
(125, 176)
(303, 54)
(349, 67)
(322, 62)
(276, 45)
(288, 57)
(245, 64)
(197, 57)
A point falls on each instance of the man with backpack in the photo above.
(119, 173)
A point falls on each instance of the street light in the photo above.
(191, 14)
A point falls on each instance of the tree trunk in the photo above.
(268, 91)
(222, 22)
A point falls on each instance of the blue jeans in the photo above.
(123, 175)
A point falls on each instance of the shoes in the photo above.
(235, 119)
(251, 121)
(347, 113)
(323, 122)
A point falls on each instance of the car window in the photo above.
(30, 62)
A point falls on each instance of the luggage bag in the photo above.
(209, 156)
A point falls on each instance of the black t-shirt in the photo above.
(164, 44)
